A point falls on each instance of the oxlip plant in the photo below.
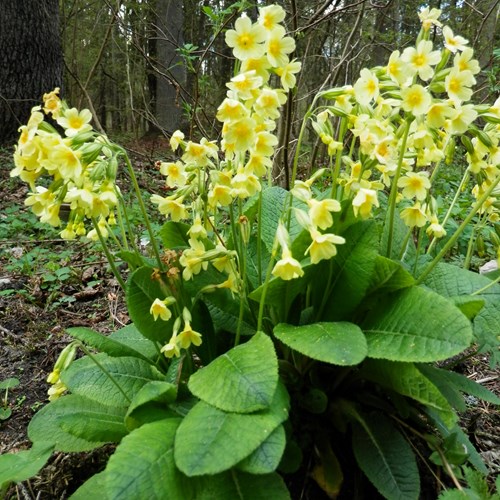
(282, 342)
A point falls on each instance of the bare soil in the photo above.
(32, 334)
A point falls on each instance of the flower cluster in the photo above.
(80, 166)
(403, 119)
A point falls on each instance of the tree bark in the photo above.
(31, 62)
(169, 87)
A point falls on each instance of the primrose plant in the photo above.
(281, 340)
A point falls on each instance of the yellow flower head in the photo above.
(415, 185)
(247, 39)
(192, 259)
(220, 194)
(268, 103)
(264, 145)
(366, 88)
(231, 110)
(245, 84)
(398, 70)
(287, 268)
(363, 202)
(171, 349)
(416, 100)
(258, 164)
(437, 114)
(287, 74)
(323, 246)
(244, 184)
(457, 84)
(176, 139)
(422, 58)
(319, 212)
(453, 42)
(260, 66)
(170, 207)
(188, 336)
(460, 119)
(241, 134)
(463, 61)
(52, 103)
(159, 309)
(271, 16)
(429, 18)
(414, 216)
(75, 122)
(175, 173)
(435, 229)
(199, 154)
(279, 46)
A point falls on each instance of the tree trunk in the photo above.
(31, 61)
(169, 87)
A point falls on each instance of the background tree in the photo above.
(31, 59)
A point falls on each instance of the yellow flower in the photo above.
(188, 336)
(452, 42)
(246, 39)
(415, 185)
(52, 103)
(460, 119)
(241, 133)
(171, 349)
(414, 216)
(422, 58)
(429, 18)
(323, 246)
(319, 212)
(65, 161)
(192, 259)
(197, 230)
(159, 309)
(170, 206)
(398, 70)
(271, 16)
(437, 114)
(416, 100)
(199, 153)
(244, 184)
(279, 46)
(231, 110)
(176, 139)
(175, 173)
(366, 88)
(287, 268)
(363, 202)
(75, 122)
(258, 164)
(435, 229)
(260, 66)
(220, 195)
(265, 143)
(268, 103)
(463, 61)
(245, 84)
(287, 74)
(457, 84)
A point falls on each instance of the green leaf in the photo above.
(143, 467)
(133, 259)
(92, 488)
(150, 403)
(416, 324)
(226, 318)
(236, 485)
(131, 337)
(460, 382)
(85, 378)
(386, 457)
(9, 383)
(221, 439)
(407, 380)
(46, 425)
(266, 458)
(338, 343)
(20, 466)
(351, 269)
(389, 275)
(100, 424)
(469, 305)
(242, 380)
(174, 235)
(141, 292)
(103, 343)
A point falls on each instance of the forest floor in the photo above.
(36, 308)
